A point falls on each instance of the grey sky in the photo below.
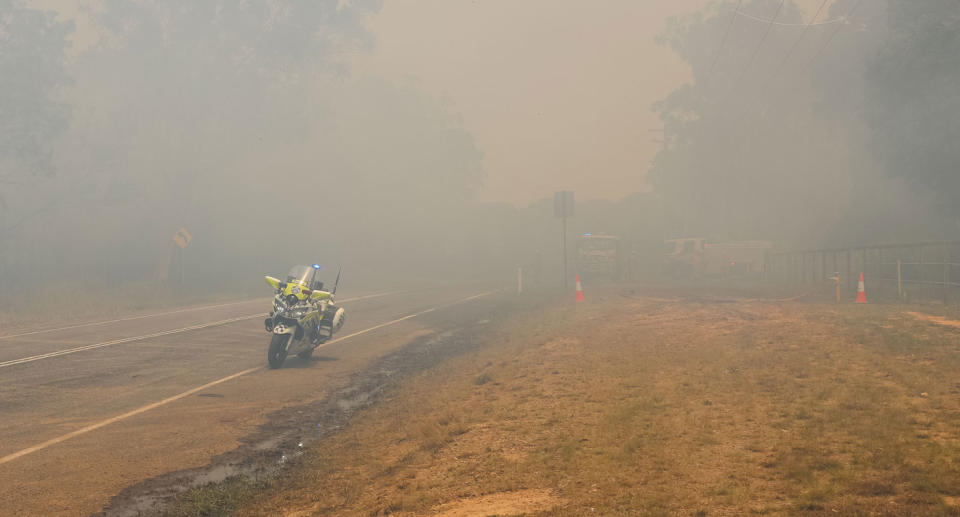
(557, 93)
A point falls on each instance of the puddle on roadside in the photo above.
(356, 401)
(290, 431)
(269, 443)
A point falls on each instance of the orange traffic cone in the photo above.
(580, 297)
(861, 292)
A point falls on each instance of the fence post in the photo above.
(849, 278)
(878, 274)
(946, 274)
(899, 281)
(803, 267)
(803, 272)
(813, 266)
(949, 269)
(923, 287)
(793, 269)
(823, 267)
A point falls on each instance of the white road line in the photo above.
(148, 407)
(95, 346)
(142, 409)
(405, 318)
(131, 318)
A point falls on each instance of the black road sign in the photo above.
(563, 203)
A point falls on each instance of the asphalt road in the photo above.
(87, 409)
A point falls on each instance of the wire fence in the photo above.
(927, 271)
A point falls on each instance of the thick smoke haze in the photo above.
(421, 140)
(557, 93)
(243, 125)
(780, 134)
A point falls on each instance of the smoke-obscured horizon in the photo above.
(796, 134)
(242, 123)
(238, 123)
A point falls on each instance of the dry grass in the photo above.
(647, 407)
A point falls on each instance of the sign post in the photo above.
(563, 208)
(182, 239)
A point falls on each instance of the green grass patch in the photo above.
(215, 499)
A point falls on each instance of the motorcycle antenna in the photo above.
(337, 281)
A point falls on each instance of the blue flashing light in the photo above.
(587, 234)
(316, 266)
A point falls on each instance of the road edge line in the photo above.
(132, 339)
(124, 416)
(154, 405)
(158, 314)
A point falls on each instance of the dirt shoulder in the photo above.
(654, 406)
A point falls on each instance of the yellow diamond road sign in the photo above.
(182, 237)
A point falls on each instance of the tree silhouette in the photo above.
(32, 117)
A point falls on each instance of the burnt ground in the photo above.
(276, 445)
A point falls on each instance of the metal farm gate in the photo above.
(907, 272)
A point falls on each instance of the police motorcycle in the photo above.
(304, 316)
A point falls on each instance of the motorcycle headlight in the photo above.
(279, 306)
(299, 312)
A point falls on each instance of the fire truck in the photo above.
(599, 256)
(702, 258)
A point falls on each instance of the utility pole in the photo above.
(563, 208)
(565, 253)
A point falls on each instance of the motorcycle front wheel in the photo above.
(277, 353)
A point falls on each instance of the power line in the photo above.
(726, 34)
(786, 58)
(780, 24)
(766, 33)
(834, 33)
(803, 35)
(796, 44)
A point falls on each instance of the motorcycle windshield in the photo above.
(300, 275)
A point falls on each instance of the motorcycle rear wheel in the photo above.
(277, 353)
